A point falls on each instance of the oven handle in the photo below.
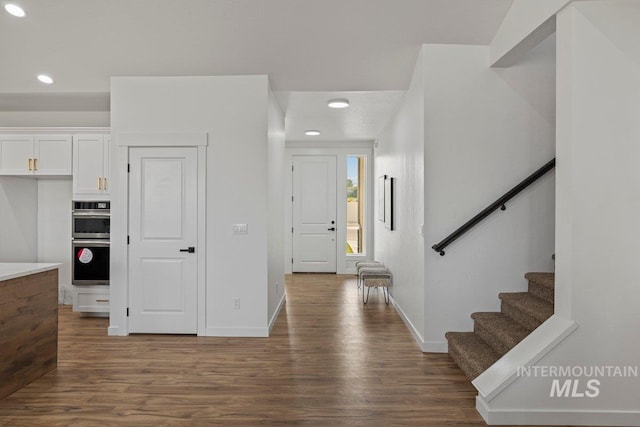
(92, 214)
(100, 243)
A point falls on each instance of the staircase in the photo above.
(494, 334)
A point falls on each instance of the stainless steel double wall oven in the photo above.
(90, 244)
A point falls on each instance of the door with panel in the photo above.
(163, 230)
(314, 214)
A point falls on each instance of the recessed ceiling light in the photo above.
(14, 10)
(338, 103)
(45, 79)
(312, 133)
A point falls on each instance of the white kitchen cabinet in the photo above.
(39, 155)
(91, 167)
(16, 155)
(91, 299)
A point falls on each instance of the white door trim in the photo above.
(162, 139)
(119, 324)
(202, 239)
(162, 221)
(345, 263)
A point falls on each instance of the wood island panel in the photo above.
(28, 329)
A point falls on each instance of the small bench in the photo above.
(365, 264)
(376, 277)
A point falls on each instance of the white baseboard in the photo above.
(435, 347)
(556, 417)
(237, 332)
(276, 313)
(116, 331)
(211, 332)
(425, 346)
(410, 326)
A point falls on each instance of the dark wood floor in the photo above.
(329, 361)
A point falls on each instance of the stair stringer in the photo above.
(504, 372)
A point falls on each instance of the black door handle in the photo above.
(190, 249)
(331, 229)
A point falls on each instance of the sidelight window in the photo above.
(356, 204)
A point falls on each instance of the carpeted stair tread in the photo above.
(499, 331)
(542, 285)
(544, 279)
(526, 309)
(471, 353)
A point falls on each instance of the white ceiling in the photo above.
(363, 120)
(305, 46)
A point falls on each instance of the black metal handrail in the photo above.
(500, 203)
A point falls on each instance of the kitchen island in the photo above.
(28, 323)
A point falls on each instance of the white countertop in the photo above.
(11, 270)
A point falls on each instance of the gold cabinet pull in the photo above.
(35, 164)
(99, 183)
(105, 183)
(29, 164)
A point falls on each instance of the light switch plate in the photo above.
(240, 229)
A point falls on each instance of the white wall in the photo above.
(486, 130)
(400, 154)
(276, 184)
(526, 24)
(598, 207)
(18, 219)
(233, 111)
(463, 136)
(54, 118)
(54, 230)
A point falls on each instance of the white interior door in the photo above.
(314, 214)
(162, 227)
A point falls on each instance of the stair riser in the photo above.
(542, 279)
(492, 340)
(495, 334)
(519, 316)
(468, 371)
(541, 291)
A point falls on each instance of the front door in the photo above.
(163, 230)
(314, 214)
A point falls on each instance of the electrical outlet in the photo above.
(236, 303)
